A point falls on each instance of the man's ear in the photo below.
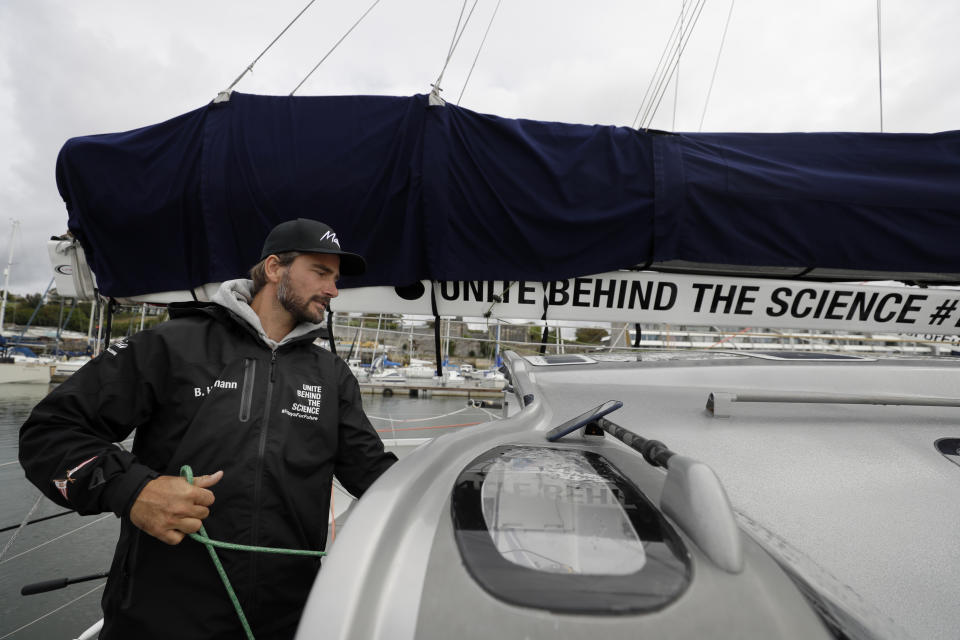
(273, 269)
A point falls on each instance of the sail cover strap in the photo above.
(330, 338)
(436, 328)
(546, 328)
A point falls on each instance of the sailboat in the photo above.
(14, 366)
(666, 494)
(781, 487)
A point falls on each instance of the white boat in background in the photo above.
(16, 367)
(452, 377)
(388, 376)
(66, 368)
(360, 372)
(25, 372)
(492, 378)
(483, 377)
(419, 371)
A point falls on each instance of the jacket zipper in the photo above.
(246, 397)
(261, 450)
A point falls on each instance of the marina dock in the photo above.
(429, 389)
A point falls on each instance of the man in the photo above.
(237, 390)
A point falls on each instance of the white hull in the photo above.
(65, 369)
(19, 372)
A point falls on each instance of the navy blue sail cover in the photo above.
(444, 193)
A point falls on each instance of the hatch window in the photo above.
(564, 530)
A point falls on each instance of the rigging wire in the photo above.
(35, 521)
(615, 342)
(456, 30)
(880, 65)
(342, 38)
(457, 34)
(249, 69)
(23, 523)
(50, 613)
(43, 544)
(676, 83)
(420, 419)
(436, 426)
(676, 52)
(661, 78)
(685, 39)
(717, 64)
(492, 414)
(657, 71)
(453, 40)
(476, 57)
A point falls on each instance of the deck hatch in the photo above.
(564, 530)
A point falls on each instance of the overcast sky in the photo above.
(73, 68)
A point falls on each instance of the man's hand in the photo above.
(169, 507)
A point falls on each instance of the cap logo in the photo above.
(330, 235)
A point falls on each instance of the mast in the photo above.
(376, 345)
(93, 314)
(6, 275)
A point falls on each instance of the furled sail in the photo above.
(446, 194)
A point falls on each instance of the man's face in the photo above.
(308, 284)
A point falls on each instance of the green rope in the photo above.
(187, 473)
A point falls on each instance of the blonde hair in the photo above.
(258, 272)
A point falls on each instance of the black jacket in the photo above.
(203, 389)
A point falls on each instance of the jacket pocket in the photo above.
(246, 397)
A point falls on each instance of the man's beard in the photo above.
(299, 308)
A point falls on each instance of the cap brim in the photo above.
(352, 265)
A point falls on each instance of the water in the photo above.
(74, 546)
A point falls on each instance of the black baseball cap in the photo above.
(311, 236)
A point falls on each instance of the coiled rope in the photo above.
(201, 536)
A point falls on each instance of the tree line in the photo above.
(71, 315)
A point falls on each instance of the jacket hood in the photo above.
(235, 297)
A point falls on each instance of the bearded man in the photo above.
(237, 389)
